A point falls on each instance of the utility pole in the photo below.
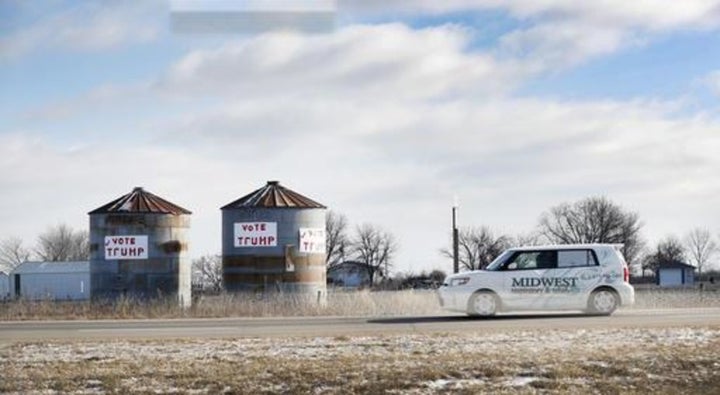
(456, 258)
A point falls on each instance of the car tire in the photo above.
(603, 301)
(483, 304)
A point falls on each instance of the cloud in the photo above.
(712, 81)
(101, 97)
(556, 46)
(61, 184)
(385, 124)
(396, 163)
(87, 27)
(642, 14)
(565, 33)
(361, 61)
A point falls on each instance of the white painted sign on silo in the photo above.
(126, 247)
(312, 240)
(255, 234)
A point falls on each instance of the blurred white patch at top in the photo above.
(252, 16)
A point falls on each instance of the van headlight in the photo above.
(455, 282)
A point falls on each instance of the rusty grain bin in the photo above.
(139, 248)
(273, 240)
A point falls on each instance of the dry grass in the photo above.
(665, 361)
(659, 298)
(364, 303)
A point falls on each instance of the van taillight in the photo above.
(626, 274)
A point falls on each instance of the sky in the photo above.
(385, 111)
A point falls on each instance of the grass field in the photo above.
(364, 303)
(664, 361)
(618, 361)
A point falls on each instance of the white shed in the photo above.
(4, 285)
(349, 274)
(51, 280)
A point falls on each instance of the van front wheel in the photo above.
(483, 304)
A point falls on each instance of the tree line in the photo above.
(367, 244)
(58, 243)
(590, 220)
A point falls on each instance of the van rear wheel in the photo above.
(483, 304)
(603, 302)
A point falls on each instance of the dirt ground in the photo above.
(671, 361)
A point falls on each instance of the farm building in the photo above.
(349, 274)
(139, 248)
(51, 280)
(4, 285)
(675, 274)
(273, 240)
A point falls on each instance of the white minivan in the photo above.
(590, 277)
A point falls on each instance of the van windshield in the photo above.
(497, 262)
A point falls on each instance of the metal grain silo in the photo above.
(273, 239)
(139, 248)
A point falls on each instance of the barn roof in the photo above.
(675, 265)
(140, 201)
(52, 267)
(273, 195)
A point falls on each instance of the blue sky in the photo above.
(512, 106)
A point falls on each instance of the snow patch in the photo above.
(454, 384)
(521, 381)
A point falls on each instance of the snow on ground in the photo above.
(529, 360)
(327, 347)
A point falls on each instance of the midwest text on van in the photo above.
(545, 282)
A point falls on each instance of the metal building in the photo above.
(50, 280)
(273, 239)
(4, 285)
(675, 274)
(139, 248)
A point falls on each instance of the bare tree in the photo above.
(593, 220)
(62, 243)
(337, 241)
(640, 263)
(12, 253)
(375, 248)
(207, 273)
(526, 239)
(478, 247)
(437, 276)
(669, 250)
(700, 247)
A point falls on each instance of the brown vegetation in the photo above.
(362, 303)
(678, 360)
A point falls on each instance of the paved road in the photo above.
(12, 332)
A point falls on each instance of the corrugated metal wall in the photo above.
(53, 286)
(165, 271)
(281, 267)
(4, 286)
(139, 248)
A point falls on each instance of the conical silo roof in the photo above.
(273, 195)
(142, 202)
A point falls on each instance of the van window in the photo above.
(576, 258)
(527, 260)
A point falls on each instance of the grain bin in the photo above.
(139, 248)
(273, 240)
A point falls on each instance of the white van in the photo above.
(590, 277)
